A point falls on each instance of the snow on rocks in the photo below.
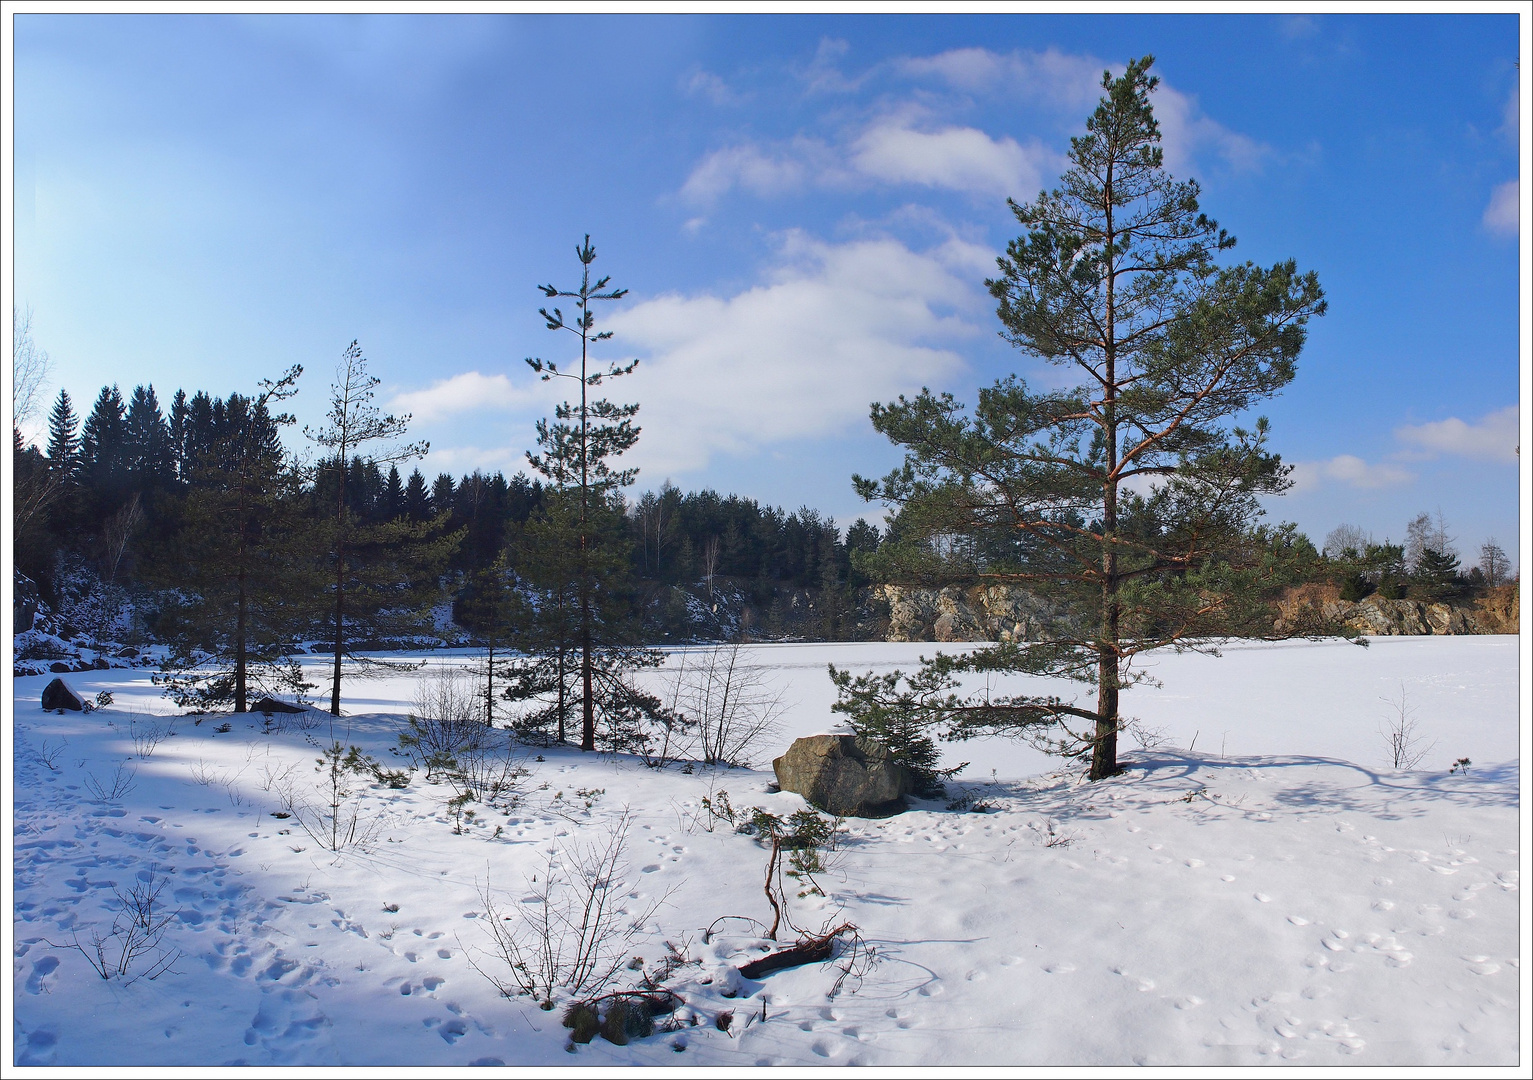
(1291, 902)
(57, 695)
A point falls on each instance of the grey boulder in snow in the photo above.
(845, 775)
(58, 695)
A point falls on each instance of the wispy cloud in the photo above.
(1502, 213)
(1071, 83)
(1295, 27)
(1187, 133)
(468, 392)
(957, 158)
(1350, 470)
(706, 84)
(800, 356)
(823, 75)
(1511, 117)
(1493, 437)
(763, 170)
(909, 143)
(1065, 81)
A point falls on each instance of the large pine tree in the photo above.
(1130, 499)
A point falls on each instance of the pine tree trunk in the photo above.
(239, 647)
(1104, 746)
(335, 678)
(489, 684)
(340, 585)
(588, 718)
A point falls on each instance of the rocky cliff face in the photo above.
(1005, 613)
(1493, 612)
(981, 613)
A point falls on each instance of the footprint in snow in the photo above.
(41, 969)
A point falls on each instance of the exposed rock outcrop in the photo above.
(1007, 613)
(980, 613)
(1494, 612)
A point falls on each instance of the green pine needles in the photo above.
(1131, 499)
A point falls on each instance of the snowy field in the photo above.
(1257, 887)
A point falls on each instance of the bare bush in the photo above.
(572, 934)
(203, 774)
(1399, 731)
(490, 774)
(273, 775)
(442, 725)
(147, 732)
(115, 787)
(733, 706)
(333, 812)
(136, 936)
(49, 753)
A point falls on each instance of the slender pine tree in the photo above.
(576, 454)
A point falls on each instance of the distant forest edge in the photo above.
(105, 515)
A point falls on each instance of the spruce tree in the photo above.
(64, 438)
(103, 452)
(417, 500)
(150, 462)
(236, 574)
(1131, 499)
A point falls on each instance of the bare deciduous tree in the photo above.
(734, 708)
(1346, 538)
(29, 367)
(1400, 734)
(1493, 563)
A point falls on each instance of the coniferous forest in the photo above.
(133, 506)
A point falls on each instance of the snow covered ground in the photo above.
(1257, 886)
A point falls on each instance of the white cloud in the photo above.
(1068, 82)
(708, 85)
(824, 76)
(799, 357)
(468, 392)
(908, 144)
(763, 172)
(1494, 437)
(893, 150)
(1350, 470)
(1511, 116)
(1185, 131)
(465, 459)
(1073, 84)
(959, 158)
(1502, 213)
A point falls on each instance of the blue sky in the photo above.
(803, 208)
